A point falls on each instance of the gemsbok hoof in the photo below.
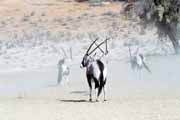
(105, 100)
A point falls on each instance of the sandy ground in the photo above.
(154, 97)
(143, 109)
(34, 95)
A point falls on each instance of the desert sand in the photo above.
(151, 98)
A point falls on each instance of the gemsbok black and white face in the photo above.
(95, 71)
(85, 60)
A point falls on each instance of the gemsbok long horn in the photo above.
(87, 52)
(106, 47)
(98, 46)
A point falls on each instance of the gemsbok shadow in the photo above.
(74, 101)
(84, 93)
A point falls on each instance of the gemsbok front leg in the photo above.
(89, 79)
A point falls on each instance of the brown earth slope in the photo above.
(53, 15)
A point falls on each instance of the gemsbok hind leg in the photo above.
(104, 90)
(99, 92)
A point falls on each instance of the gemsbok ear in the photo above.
(94, 54)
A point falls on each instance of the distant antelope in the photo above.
(63, 72)
(96, 71)
(138, 61)
(63, 69)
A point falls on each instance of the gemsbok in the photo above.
(96, 71)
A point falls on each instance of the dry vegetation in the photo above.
(55, 17)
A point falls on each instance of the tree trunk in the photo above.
(174, 40)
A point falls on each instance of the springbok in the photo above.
(96, 71)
